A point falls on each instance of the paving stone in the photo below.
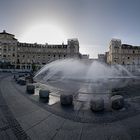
(132, 125)
(48, 128)
(10, 134)
(39, 124)
(33, 118)
(69, 131)
(4, 136)
(12, 130)
(113, 131)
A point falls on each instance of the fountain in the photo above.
(86, 91)
(76, 76)
(86, 82)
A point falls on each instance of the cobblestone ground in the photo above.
(22, 118)
(9, 126)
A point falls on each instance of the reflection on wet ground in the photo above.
(128, 87)
(83, 92)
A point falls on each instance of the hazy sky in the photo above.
(93, 22)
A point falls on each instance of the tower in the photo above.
(73, 47)
(115, 51)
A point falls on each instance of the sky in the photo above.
(93, 22)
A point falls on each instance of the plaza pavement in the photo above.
(20, 118)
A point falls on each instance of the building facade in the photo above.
(29, 55)
(85, 56)
(101, 58)
(123, 54)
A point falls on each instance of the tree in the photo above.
(33, 67)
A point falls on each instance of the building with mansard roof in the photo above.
(25, 55)
(123, 54)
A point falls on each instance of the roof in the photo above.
(4, 32)
(115, 39)
(126, 46)
(73, 39)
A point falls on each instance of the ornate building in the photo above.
(123, 54)
(25, 55)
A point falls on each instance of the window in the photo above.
(9, 49)
(128, 57)
(133, 51)
(28, 66)
(23, 67)
(4, 48)
(28, 60)
(18, 61)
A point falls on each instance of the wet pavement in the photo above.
(23, 117)
(9, 126)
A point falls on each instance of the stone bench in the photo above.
(66, 99)
(30, 88)
(44, 93)
(16, 77)
(117, 102)
(21, 81)
(97, 104)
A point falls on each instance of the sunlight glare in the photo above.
(44, 34)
